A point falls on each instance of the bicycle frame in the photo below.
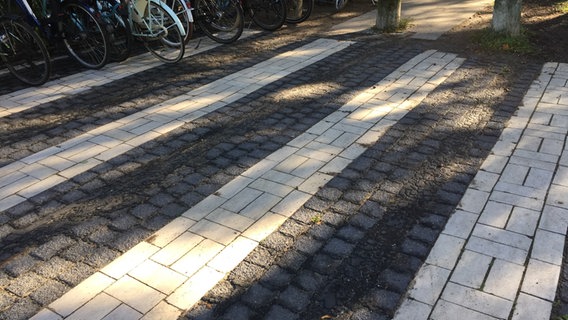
(137, 14)
(30, 16)
(41, 24)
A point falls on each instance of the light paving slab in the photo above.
(446, 251)
(157, 276)
(223, 247)
(473, 201)
(177, 248)
(97, 308)
(260, 206)
(531, 308)
(446, 310)
(81, 294)
(196, 258)
(548, 247)
(129, 260)
(471, 269)
(170, 231)
(123, 312)
(162, 311)
(460, 224)
(135, 294)
(412, 309)
(477, 300)
(554, 219)
(541, 279)
(428, 284)
(502, 236)
(496, 214)
(523, 221)
(195, 288)
(504, 279)
(557, 196)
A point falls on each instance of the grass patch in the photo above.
(495, 41)
(317, 219)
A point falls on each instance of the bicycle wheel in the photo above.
(268, 14)
(24, 52)
(181, 9)
(298, 10)
(221, 20)
(168, 43)
(340, 4)
(118, 28)
(85, 38)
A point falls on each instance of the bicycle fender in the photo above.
(172, 14)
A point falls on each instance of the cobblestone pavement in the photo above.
(356, 177)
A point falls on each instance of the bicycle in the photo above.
(75, 24)
(23, 51)
(158, 27)
(181, 8)
(340, 4)
(267, 14)
(120, 34)
(220, 20)
(298, 10)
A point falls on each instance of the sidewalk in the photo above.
(498, 257)
(429, 19)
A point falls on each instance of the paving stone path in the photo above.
(220, 199)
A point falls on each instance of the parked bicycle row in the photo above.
(94, 32)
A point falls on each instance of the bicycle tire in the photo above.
(24, 52)
(221, 20)
(269, 15)
(182, 11)
(85, 38)
(169, 45)
(298, 10)
(118, 28)
(340, 4)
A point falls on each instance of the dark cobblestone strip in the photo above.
(352, 250)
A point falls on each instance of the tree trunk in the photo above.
(388, 14)
(507, 17)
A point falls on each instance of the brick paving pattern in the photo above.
(274, 220)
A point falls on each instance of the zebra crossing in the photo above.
(173, 269)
